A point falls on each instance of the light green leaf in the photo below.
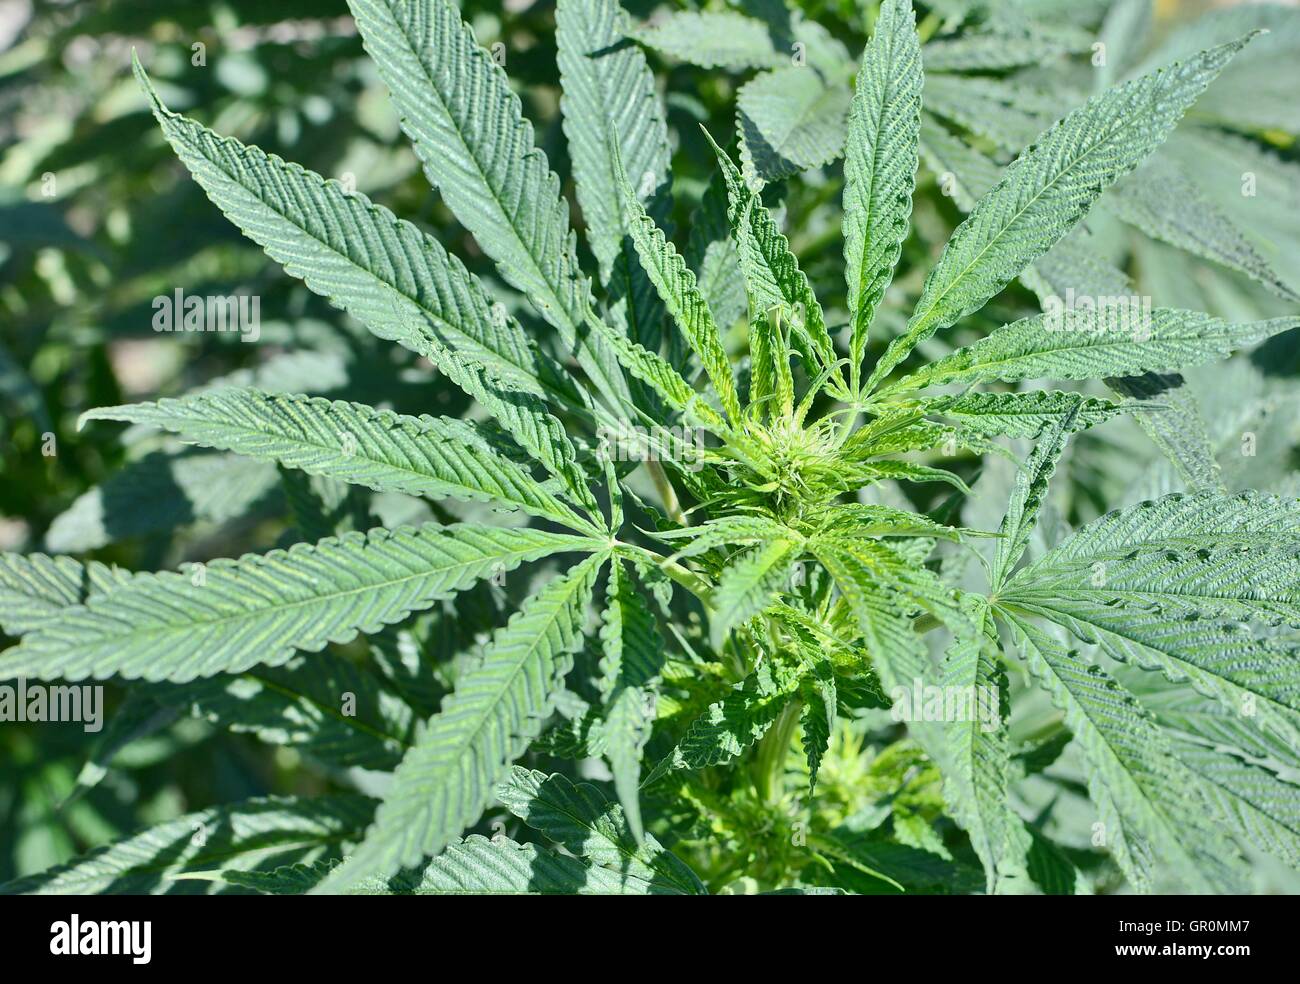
(1150, 810)
(1089, 343)
(232, 614)
(880, 167)
(1046, 191)
(589, 826)
(446, 779)
(436, 457)
(468, 129)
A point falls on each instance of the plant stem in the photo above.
(769, 761)
(667, 493)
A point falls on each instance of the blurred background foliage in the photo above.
(97, 218)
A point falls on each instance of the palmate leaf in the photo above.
(880, 166)
(1046, 191)
(732, 724)
(749, 584)
(436, 457)
(608, 97)
(446, 779)
(233, 614)
(1023, 415)
(34, 587)
(771, 271)
(790, 119)
(589, 826)
(398, 282)
(632, 657)
(468, 129)
(677, 288)
(1150, 809)
(1090, 343)
(273, 831)
(1165, 585)
(977, 784)
(713, 39)
(1162, 201)
(476, 865)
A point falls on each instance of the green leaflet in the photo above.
(790, 119)
(1024, 415)
(434, 456)
(772, 273)
(467, 127)
(720, 39)
(978, 786)
(818, 717)
(588, 825)
(445, 781)
(411, 291)
(1047, 190)
(731, 725)
(232, 614)
(632, 657)
(254, 832)
(677, 288)
(35, 588)
(1028, 495)
(749, 584)
(608, 97)
(1089, 343)
(1149, 808)
(880, 167)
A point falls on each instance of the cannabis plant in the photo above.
(733, 598)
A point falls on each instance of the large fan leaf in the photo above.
(467, 127)
(232, 614)
(1046, 191)
(447, 778)
(383, 271)
(433, 456)
(1150, 811)
(1091, 343)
